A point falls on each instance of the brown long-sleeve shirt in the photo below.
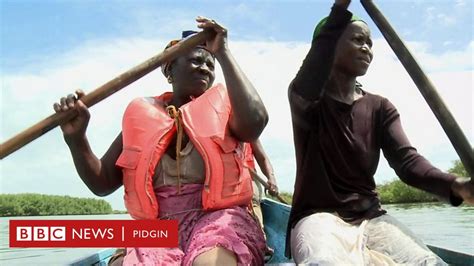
(338, 145)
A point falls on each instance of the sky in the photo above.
(48, 49)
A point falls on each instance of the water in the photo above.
(437, 224)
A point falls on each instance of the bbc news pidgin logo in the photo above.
(93, 233)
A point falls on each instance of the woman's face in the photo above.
(354, 50)
(193, 73)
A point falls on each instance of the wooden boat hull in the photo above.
(276, 218)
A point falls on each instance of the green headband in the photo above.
(323, 21)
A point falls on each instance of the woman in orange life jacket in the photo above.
(195, 158)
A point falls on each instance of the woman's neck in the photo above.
(342, 88)
(177, 99)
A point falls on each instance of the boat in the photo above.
(276, 218)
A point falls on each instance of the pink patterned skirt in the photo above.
(233, 229)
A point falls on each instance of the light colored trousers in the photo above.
(325, 239)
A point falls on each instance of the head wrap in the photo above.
(184, 35)
(323, 22)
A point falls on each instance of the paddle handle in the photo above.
(448, 123)
(257, 177)
(104, 91)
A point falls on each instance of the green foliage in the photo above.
(119, 212)
(29, 204)
(398, 192)
(458, 169)
(394, 191)
(288, 197)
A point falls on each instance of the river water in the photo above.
(437, 224)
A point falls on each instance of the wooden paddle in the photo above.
(257, 177)
(444, 116)
(103, 92)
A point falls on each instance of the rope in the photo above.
(176, 115)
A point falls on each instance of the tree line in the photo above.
(396, 191)
(31, 204)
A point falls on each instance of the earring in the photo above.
(170, 79)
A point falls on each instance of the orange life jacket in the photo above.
(248, 155)
(147, 130)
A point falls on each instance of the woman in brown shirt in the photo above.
(339, 130)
